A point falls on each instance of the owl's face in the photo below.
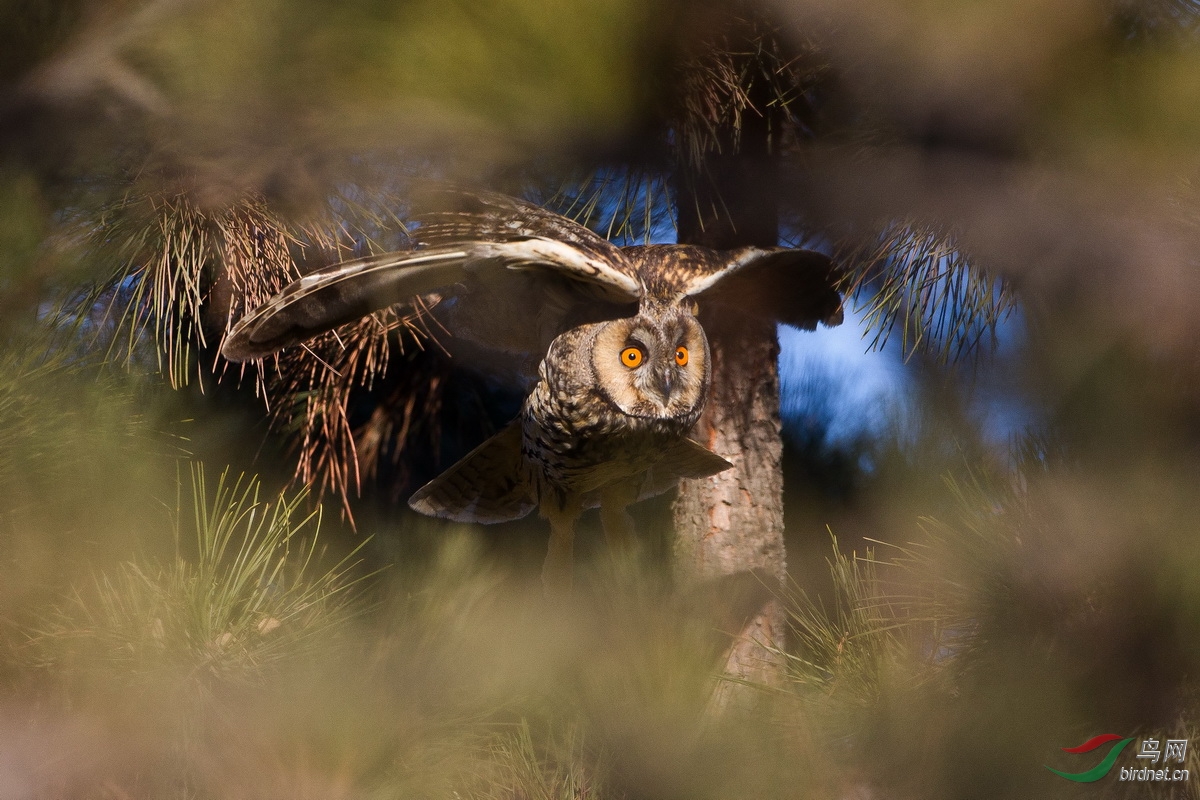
(654, 365)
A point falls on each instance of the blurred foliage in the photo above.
(80, 462)
(957, 661)
(244, 594)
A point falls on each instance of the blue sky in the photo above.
(863, 382)
(834, 374)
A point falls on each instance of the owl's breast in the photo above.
(576, 442)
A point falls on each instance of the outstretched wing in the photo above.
(485, 486)
(493, 217)
(793, 286)
(684, 459)
(350, 290)
(797, 287)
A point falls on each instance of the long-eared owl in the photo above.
(622, 364)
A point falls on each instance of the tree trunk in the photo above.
(733, 522)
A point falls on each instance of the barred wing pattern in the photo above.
(344, 292)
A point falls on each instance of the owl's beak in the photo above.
(665, 381)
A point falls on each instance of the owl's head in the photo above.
(654, 365)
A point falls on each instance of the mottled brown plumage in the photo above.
(622, 363)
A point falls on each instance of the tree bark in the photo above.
(732, 522)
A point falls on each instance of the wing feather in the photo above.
(350, 290)
(483, 486)
(682, 459)
(494, 217)
(793, 286)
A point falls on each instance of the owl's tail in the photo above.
(483, 486)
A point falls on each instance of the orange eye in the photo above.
(681, 356)
(631, 357)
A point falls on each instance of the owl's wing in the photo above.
(494, 217)
(486, 485)
(684, 459)
(793, 286)
(344, 292)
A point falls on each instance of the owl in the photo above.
(618, 362)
